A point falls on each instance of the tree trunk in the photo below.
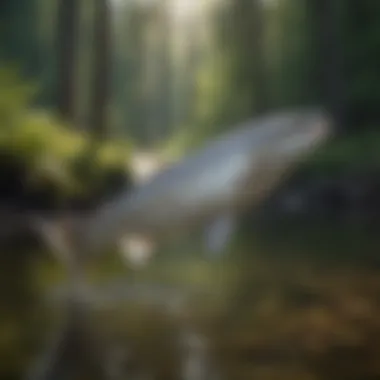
(68, 17)
(330, 59)
(249, 39)
(261, 98)
(163, 87)
(101, 72)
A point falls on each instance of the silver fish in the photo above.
(209, 188)
(218, 182)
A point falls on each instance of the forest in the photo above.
(86, 85)
(166, 75)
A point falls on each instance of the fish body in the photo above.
(236, 171)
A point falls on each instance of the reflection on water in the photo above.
(263, 314)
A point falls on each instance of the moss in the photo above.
(50, 151)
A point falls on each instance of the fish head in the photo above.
(285, 140)
(309, 129)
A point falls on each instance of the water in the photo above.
(275, 311)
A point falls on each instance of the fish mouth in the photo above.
(312, 130)
(317, 127)
(323, 127)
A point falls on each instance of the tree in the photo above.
(254, 51)
(67, 37)
(361, 37)
(19, 37)
(102, 69)
(162, 91)
(330, 58)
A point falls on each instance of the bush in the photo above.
(44, 154)
(356, 152)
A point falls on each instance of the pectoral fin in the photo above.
(219, 234)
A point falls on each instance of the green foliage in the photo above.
(50, 150)
(361, 37)
(354, 152)
(294, 55)
(212, 82)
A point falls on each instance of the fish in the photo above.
(218, 182)
(207, 189)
